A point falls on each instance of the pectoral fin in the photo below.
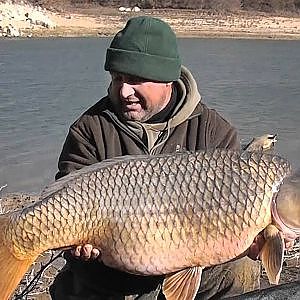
(272, 253)
(182, 285)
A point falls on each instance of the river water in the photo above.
(45, 84)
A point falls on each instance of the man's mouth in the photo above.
(132, 104)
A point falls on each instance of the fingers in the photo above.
(289, 244)
(258, 243)
(256, 247)
(95, 253)
(86, 252)
(253, 252)
(76, 251)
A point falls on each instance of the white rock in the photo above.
(11, 31)
(122, 8)
(15, 13)
(136, 9)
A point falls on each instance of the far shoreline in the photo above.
(61, 33)
(66, 33)
(97, 21)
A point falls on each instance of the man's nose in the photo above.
(126, 90)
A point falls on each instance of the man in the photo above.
(153, 106)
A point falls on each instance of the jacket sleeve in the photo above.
(78, 151)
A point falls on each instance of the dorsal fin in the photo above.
(62, 182)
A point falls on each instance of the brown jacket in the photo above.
(98, 134)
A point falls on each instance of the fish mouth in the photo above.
(289, 232)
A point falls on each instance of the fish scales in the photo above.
(204, 208)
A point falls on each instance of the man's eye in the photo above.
(132, 81)
(135, 80)
(128, 79)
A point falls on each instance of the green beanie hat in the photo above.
(147, 48)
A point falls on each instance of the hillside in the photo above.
(269, 6)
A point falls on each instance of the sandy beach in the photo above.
(186, 23)
(102, 21)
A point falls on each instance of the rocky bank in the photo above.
(17, 18)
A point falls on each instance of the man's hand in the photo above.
(259, 242)
(86, 252)
(256, 247)
(289, 244)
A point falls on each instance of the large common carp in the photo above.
(170, 214)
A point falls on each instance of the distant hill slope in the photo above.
(269, 6)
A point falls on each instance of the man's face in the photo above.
(138, 99)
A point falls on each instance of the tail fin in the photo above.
(12, 269)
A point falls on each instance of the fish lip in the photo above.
(289, 232)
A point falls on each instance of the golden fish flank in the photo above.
(205, 207)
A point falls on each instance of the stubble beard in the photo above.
(146, 113)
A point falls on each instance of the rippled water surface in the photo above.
(46, 84)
